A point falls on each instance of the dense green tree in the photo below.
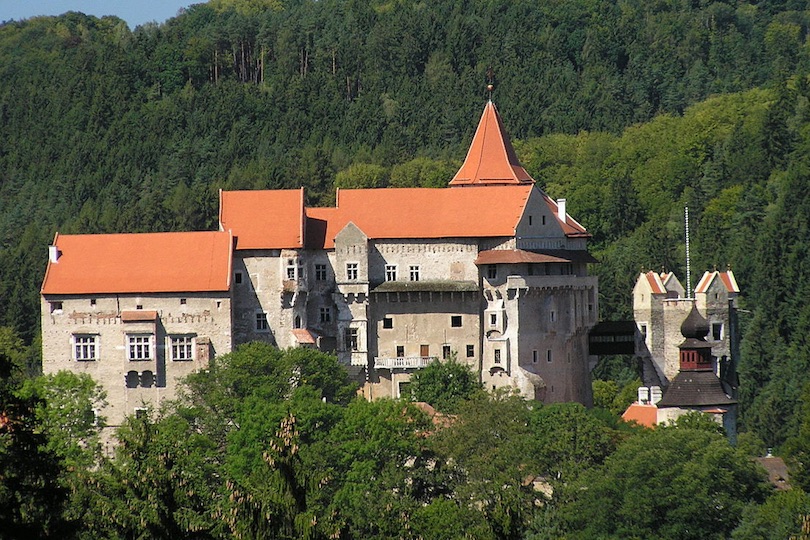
(445, 384)
(672, 482)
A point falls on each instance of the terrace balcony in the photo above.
(403, 362)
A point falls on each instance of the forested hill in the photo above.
(630, 109)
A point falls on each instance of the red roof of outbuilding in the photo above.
(641, 413)
(266, 219)
(491, 159)
(140, 263)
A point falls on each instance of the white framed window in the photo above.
(326, 314)
(85, 347)
(320, 272)
(291, 266)
(262, 325)
(351, 337)
(140, 347)
(351, 271)
(390, 272)
(182, 348)
(414, 272)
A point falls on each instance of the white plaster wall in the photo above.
(203, 316)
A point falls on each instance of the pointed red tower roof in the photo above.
(491, 159)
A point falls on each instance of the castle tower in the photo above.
(696, 387)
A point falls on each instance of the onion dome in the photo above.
(695, 326)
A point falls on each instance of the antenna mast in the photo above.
(688, 260)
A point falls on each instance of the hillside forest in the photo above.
(630, 109)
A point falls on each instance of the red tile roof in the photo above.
(491, 159)
(266, 219)
(139, 316)
(643, 414)
(727, 278)
(304, 336)
(140, 263)
(517, 256)
(422, 213)
(656, 285)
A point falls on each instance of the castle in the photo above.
(682, 370)
(489, 270)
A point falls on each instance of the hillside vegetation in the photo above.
(631, 110)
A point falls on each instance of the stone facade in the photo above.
(660, 306)
(489, 271)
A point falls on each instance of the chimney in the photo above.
(53, 254)
(561, 210)
(655, 394)
(643, 394)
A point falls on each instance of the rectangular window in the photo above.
(535, 356)
(237, 278)
(455, 321)
(424, 350)
(493, 319)
(400, 351)
(182, 301)
(530, 221)
(92, 301)
(261, 322)
(445, 351)
(717, 331)
(291, 268)
(351, 339)
(388, 323)
(497, 356)
(326, 314)
(390, 272)
(492, 271)
(320, 272)
(548, 355)
(84, 348)
(140, 347)
(414, 273)
(552, 316)
(470, 351)
(56, 307)
(182, 348)
(351, 271)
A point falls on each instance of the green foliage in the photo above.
(33, 493)
(65, 411)
(361, 175)
(781, 516)
(669, 482)
(445, 385)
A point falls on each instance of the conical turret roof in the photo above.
(491, 159)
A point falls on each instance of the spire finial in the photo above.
(490, 81)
